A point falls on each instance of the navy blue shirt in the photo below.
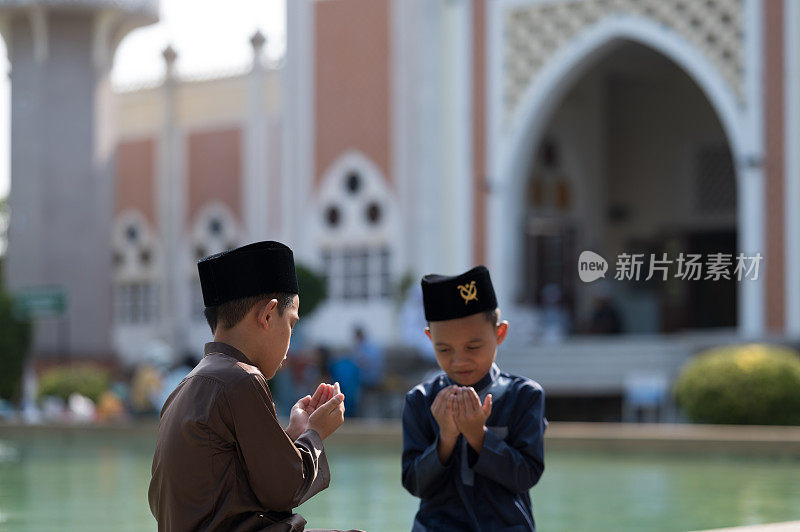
(481, 492)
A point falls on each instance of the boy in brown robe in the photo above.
(222, 461)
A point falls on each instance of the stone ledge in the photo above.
(789, 526)
(658, 437)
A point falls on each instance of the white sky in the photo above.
(209, 36)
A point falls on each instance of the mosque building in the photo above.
(401, 137)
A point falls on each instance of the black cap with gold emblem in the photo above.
(458, 296)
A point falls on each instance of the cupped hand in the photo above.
(302, 410)
(442, 410)
(328, 416)
(321, 396)
(470, 415)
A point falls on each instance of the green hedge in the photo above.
(85, 379)
(15, 337)
(312, 289)
(751, 384)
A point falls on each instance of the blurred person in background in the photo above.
(369, 357)
(173, 378)
(146, 387)
(305, 370)
(346, 372)
(605, 317)
(147, 382)
(324, 360)
(554, 318)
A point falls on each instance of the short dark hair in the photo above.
(492, 316)
(230, 313)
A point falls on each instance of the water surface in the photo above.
(97, 480)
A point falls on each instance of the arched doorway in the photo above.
(632, 159)
(601, 124)
(516, 131)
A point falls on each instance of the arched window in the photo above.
(136, 267)
(214, 230)
(355, 229)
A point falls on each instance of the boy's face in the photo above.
(276, 335)
(465, 348)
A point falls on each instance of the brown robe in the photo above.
(222, 460)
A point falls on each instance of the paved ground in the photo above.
(793, 526)
(783, 441)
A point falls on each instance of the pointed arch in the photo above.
(570, 63)
(510, 141)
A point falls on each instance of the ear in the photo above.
(265, 312)
(428, 333)
(502, 331)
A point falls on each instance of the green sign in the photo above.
(40, 302)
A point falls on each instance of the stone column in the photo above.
(254, 191)
(171, 197)
(62, 162)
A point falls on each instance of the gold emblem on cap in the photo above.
(468, 292)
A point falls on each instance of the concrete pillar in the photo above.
(254, 191)
(171, 216)
(62, 163)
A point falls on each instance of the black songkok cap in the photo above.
(458, 296)
(251, 270)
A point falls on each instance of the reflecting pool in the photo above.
(97, 480)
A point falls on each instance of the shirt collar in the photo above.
(226, 349)
(485, 381)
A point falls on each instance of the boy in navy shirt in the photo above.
(472, 436)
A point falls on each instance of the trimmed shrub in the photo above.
(15, 337)
(312, 289)
(85, 379)
(752, 384)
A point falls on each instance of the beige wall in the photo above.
(351, 82)
(135, 178)
(214, 170)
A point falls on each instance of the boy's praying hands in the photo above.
(458, 410)
(303, 409)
